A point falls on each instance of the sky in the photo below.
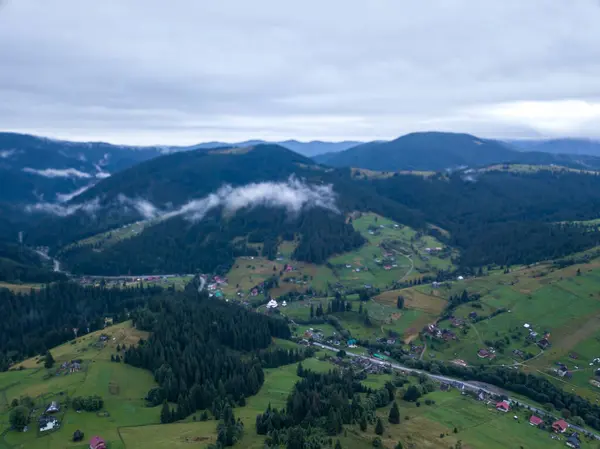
(180, 72)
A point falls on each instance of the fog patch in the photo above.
(294, 195)
(66, 197)
(145, 208)
(62, 210)
(58, 173)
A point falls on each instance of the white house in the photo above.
(272, 304)
(49, 424)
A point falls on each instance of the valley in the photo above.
(208, 294)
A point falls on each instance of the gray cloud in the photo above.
(294, 195)
(58, 172)
(182, 72)
(66, 197)
(61, 210)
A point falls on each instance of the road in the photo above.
(473, 386)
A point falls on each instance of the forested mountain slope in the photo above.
(274, 194)
(439, 151)
(505, 218)
(34, 168)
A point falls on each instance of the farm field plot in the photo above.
(408, 250)
(564, 303)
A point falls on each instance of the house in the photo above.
(448, 335)
(560, 426)
(573, 441)
(391, 341)
(97, 443)
(284, 304)
(387, 267)
(53, 407)
(503, 406)
(272, 304)
(473, 315)
(483, 354)
(48, 423)
(456, 322)
(543, 343)
(535, 420)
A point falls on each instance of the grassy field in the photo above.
(109, 238)
(557, 301)
(478, 425)
(407, 258)
(20, 288)
(122, 387)
(407, 249)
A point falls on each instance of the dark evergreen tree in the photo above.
(48, 360)
(400, 302)
(394, 416)
(379, 427)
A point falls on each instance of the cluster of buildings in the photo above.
(441, 334)
(559, 426)
(272, 304)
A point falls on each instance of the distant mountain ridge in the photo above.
(573, 146)
(440, 150)
(311, 148)
(36, 168)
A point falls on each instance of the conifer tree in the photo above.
(394, 416)
(379, 427)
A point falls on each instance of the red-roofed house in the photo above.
(560, 426)
(503, 406)
(97, 443)
(535, 420)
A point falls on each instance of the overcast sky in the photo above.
(186, 71)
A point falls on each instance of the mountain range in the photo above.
(438, 151)
(198, 209)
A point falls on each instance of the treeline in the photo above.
(36, 321)
(320, 404)
(210, 245)
(195, 352)
(504, 218)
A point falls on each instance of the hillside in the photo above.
(492, 217)
(35, 167)
(440, 151)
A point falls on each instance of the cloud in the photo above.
(66, 197)
(5, 154)
(144, 207)
(294, 195)
(293, 70)
(90, 207)
(58, 173)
